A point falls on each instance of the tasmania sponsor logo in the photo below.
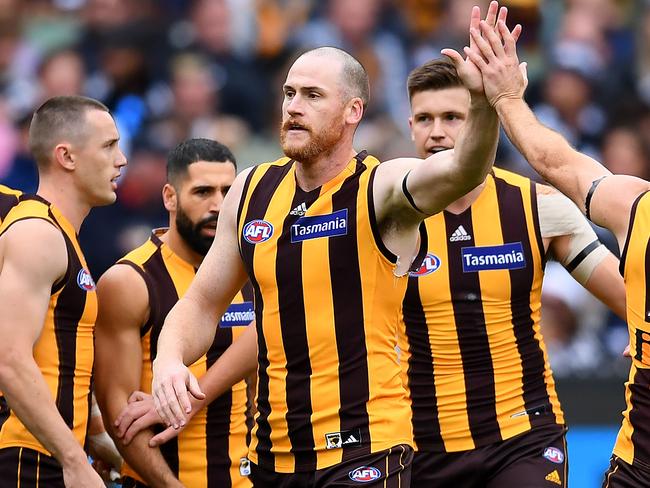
(317, 226)
(85, 281)
(554, 455)
(506, 256)
(430, 264)
(238, 314)
(365, 474)
(257, 231)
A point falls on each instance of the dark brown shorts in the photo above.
(623, 475)
(26, 468)
(390, 468)
(534, 459)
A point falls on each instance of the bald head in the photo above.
(59, 119)
(354, 79)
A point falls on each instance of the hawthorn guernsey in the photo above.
(506, 256)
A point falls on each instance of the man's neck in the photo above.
(464, 202)
(179, 247)
(66, 200)
(316, 173)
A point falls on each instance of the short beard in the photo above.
(191, 232)
(319, 144)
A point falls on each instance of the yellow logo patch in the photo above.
(554, 477)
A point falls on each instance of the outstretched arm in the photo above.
(573, 173)
(191, 324)
(34, 257)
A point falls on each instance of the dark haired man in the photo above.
(484, 408)
(47, 297)
(327, 236)
(135, 295)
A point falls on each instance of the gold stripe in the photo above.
(38, 468)
(611, 474)
(386, 470)
(20, 462)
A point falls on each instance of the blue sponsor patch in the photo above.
(238, 315)
(506, 256)
(314, 227)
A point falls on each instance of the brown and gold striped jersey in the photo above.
(473, 358)
(326, 303)
(8, 199)
(633, 442)
(64, 351)
(209, 451)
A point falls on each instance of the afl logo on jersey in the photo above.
(365, 474)
(430, 264)
(85, 281)
(554, 455)
(257, 231)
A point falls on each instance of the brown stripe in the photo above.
(536, 226)
(347, 296)
(374, 225)
(28, 468)
(218, 421)
(515, 229)
(258, 204)
(473, 340)
(7, 202)
(421, 381)
(640, 403)
(242, 198)
(162, 297)
(67, 313)
(621, 266)
(291, 302)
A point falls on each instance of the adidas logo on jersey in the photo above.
(460, 234)
(554, 477)
(351, 440)
(300, 210)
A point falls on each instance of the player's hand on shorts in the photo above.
(139, 414)
(172, 381)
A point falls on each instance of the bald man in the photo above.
(327, 236)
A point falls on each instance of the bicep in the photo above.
(612, 201)
(123, 309)
(34, 259)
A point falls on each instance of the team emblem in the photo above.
(554, 455)
(365, 474)
(430, 264)
(257, 231)
(85, 281)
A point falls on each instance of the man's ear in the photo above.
(170, 198)
(63, 156)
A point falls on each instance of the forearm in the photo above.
(188, 332)
(235, 364)
(475, 147)
(27, 393)
(147, 461)
(547, 151)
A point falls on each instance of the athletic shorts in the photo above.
(390, 468)
(534, 459)
(26, 468)
(128, 482)
(623, 475)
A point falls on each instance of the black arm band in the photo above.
(590, 194)
(408, 196)
(575, 262)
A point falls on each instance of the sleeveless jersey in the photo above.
(8, 199)
(209, 451)
(327, 303)
(633, 442)
(64, 351)
(473, 361)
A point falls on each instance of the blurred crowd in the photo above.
(174, 69)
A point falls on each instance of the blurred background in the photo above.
(174, 69)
